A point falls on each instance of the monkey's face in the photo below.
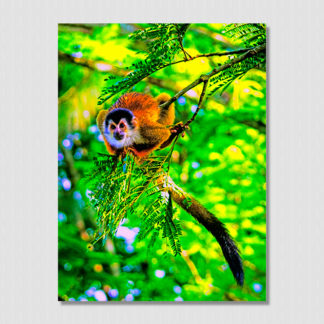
(121, 128)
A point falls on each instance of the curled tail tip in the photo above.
(233, 258)
(237, 268)
(239, 277)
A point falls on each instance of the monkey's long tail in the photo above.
(213, 225)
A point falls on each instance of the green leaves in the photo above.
(221, 161)
(164, 41)
(224, 78)
(122, 189)
(108, 180)
(249, 34)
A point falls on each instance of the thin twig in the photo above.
(192, 267)
(239, 51)
(182, 49)
(201, 99)
(203, 78)
(93, 65)
(148, 183)
(205, 55)
(130, 177)
(186, 54)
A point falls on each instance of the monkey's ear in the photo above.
(135, 122)
(101, 118)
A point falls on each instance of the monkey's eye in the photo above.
(122, 125)
(112, 127)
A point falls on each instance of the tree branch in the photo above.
(192, 267)
(83, 28)
(90, 64)
(201, 99)
(205, 55)
(239, 51)
(207, 76)
(186, 54)
(102, 66)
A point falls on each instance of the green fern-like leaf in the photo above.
(223, 79)
(164, 41)
(250, 35)
(122, 188)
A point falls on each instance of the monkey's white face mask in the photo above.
(121, 134)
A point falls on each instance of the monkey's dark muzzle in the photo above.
(118, 136)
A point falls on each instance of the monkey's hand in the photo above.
(179, 128)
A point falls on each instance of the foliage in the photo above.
(123, 188)
(248, 34)
(165, 43)
(221, 161)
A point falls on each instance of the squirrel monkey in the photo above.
(136, 122)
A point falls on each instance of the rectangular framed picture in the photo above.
(162, 162)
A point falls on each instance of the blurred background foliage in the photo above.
(221, 161)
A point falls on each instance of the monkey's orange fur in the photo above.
(150, 121)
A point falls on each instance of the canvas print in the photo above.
(162, 162)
